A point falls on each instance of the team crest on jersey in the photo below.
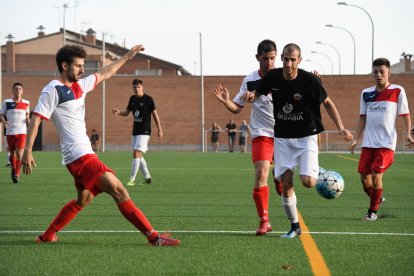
(287, 108)
(297, 96)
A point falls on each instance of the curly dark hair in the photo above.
(67, 53)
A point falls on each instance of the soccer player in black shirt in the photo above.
(142, 107)
(297, 96)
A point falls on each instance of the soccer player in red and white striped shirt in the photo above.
(16, 110)
(63, 101)
(379, 107)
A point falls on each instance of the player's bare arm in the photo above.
(158, 123)
(360, 126)
(223, 96)
(27, 159)
(333, 113)
(116, 111)
(407, 127)
(250, 96)
(109, 70)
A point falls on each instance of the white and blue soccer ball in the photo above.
(321, 170)
(330, 184)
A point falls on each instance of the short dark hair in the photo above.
(266, 46)
(67, 53)
(380, 62)
(137, 81)
(291, 47)
(16, 84)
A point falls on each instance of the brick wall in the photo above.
(178, 101)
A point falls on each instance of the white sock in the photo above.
(135, 166)
(289, 204)
(144, 169)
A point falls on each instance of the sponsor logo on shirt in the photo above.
(377, 109)
(287, 114)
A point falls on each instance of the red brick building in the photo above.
(177, 95)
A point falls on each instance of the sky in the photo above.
(221, 36)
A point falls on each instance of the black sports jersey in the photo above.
(141, 109)
(296, 103)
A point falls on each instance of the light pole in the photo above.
(353, 40)
(336, 50)
(65, 6)
(372, 24)
(330, 60)
(317, 63)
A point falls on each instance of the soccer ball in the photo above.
(321, 170)
(330, 184)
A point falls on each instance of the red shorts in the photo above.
(262, 149)
(86, 172)
(375, 160)
(16, 141)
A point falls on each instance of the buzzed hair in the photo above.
(381, 62)
(67, 53)
(289, 48)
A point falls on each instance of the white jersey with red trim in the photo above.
(66, 106)
(261, 119)
(381, 110)
(16, 113)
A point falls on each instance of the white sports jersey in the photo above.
(16, 114)
(261, 119)
(381, 110)
(66, 107)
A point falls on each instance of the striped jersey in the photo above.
(16, 113)
(381, 110)
(66, 107)
(261, 118)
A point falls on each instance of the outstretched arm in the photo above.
(107, 72)
(223, 96)
(116, 111)
(333, 113)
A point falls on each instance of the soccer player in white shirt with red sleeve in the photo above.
(16, 110)
(63, 101)
(379, 107)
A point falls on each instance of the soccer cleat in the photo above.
(164, 240)
(146, 181)
(39, 239)
(264, 227)
(15, 178)
(370, 217)
(8, 165)
(292, 234)
(131, 182)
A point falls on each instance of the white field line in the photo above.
(206, 232)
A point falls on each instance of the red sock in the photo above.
(367, 190)
(261, 199)
(137, 218)
(66, 215)
(13, 162)
(17, 168)
(375, 199)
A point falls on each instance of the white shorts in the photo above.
(140, 142)
(289, 152)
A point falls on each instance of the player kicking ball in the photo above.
(63, 101)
